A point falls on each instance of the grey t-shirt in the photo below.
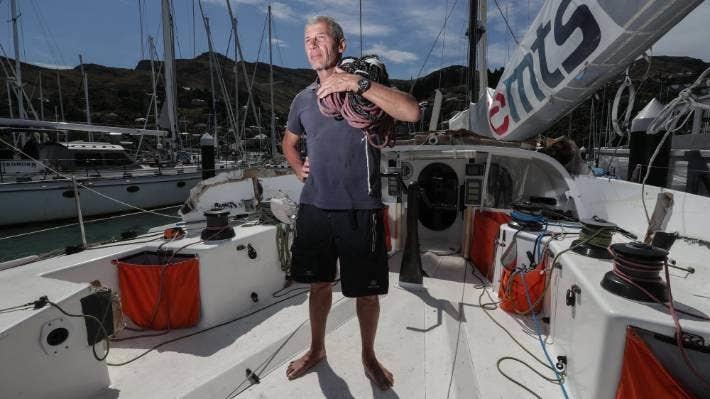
(338, 177)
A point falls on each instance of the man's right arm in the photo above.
(290, 149)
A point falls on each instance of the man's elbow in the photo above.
(412, 113)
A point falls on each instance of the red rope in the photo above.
(651, 273)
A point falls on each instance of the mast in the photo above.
(473, 84)
(9, 98)
(153, 53)
(59, 91)
(41, 98)
(235, 67)
(170, 81)
(477, 65)
(86, 95)
(214, 98)
(18, 62)
(481, 49)
(271, 90)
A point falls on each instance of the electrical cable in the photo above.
(97, 321)
(538, 330)
(202, 331)
(493, 305)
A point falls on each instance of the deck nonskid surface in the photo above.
(437, 342)
(437, 345)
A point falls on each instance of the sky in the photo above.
(402, 32)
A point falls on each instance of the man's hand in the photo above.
(303, 175)
(339, 81)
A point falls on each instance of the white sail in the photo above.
(572, 47)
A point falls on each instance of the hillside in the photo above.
(120, 96)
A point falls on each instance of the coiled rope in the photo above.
(634, 271)
(596, 236)
(357, 111)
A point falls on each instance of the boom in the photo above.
(571, 49)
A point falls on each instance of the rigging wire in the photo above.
(672, 118)
(507, 24)
(85, 222)
(49, 36)
(82, 185)
(431, 49)
(278, 43)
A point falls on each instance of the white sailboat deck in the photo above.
(437, 342)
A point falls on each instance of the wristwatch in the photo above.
(363, 85)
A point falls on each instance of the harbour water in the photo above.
(38, 239)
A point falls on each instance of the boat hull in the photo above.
(47, 200)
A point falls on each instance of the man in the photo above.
(339, 218)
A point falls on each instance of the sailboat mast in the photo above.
(86, 95)
(18, 63)
(153, 54)
(170, 81)
(477, 65)
(214, 98)
(271, 90)
(472, 44)
(61, 100)
(235, 68)
(41, 97)
(481, 47)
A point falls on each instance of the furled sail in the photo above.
(572, 48)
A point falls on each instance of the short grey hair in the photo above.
(334, 27)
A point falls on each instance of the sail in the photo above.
(570, 50)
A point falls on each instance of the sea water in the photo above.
(37, 239)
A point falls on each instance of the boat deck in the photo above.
(437, 342)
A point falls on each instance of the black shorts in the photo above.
(355, 237)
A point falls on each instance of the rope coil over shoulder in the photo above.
(359, 112)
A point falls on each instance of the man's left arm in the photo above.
(399, 105)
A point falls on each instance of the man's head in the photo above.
(324, 42)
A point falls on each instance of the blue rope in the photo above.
(542, 343)
(526, 217)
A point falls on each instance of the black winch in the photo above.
(637, 272)
(218, 227)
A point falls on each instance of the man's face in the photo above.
(321, 49)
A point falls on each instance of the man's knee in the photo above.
(321, 288)
(369, 300)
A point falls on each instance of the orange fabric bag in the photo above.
(485, 232)
(643, 376)
(512, 289)
(173, 304)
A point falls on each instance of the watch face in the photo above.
(363, 85)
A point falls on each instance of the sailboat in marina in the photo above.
(510, 276)
(37, 181)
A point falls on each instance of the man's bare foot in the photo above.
(378, 374)
(306, 362)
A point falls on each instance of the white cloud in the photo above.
(395, 56)
(283, 11)
(686, 38)
(279, 42)
(51, 66)
(352, 28)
